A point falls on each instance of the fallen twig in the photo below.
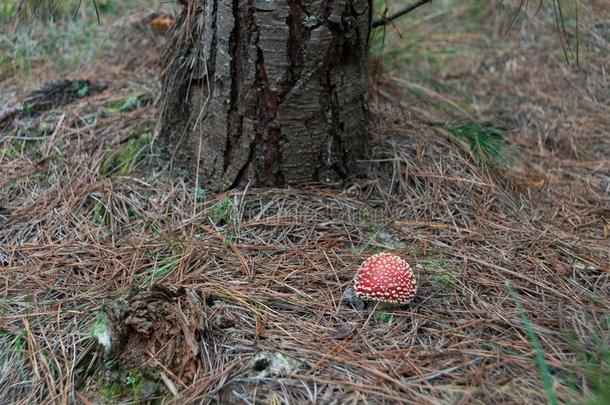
(388, 19)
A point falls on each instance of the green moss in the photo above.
(201, 194)
(222, 211)
(441, 273)
(11, 149)
(125, 159)
(28, 108)
(385, 317)
(446, 279)
(129, 103)
(26, 143)
(101, 331)
(19, 343)
(99, 214)
(82, 88)
(44, 128)
(112, 391)
(128, 385)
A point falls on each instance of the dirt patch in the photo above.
(57, 94)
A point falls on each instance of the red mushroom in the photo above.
(386, 278)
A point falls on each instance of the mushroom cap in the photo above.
(386, 278)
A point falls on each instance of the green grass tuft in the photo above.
(593, 364)
(485, 140)
(8, 10)
(166, 266)
(99, 214)
(543, 367)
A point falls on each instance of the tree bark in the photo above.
(270, 92)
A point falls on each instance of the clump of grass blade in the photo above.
(543, 367)
(484, 138)
(593, 363)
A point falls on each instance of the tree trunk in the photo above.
(270, 92)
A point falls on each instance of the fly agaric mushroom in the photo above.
(386, 278)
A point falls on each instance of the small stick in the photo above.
(386, 20)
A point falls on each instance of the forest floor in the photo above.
(489, 173)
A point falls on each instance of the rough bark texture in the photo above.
(270, 92)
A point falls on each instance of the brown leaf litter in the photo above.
(240, 297)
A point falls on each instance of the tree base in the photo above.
(269, 93)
